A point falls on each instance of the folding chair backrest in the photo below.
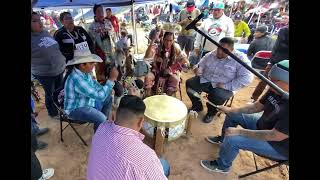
(58, 104)
(263, 55)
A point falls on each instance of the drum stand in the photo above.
(161, 133)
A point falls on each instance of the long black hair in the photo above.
(172, 53)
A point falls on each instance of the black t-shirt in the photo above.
(67, 41)
(275, 115)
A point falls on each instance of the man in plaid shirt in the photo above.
(85, 99)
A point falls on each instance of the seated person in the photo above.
(262, 42)
(168, 60)
(85, 99)
(265, 126)
(218, 75)
(118, 151)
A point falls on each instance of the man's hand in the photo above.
(113, 74)
(224, 109)
(197, 51)
(232, 131)
(220, 85)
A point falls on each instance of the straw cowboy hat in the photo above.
(84, 56)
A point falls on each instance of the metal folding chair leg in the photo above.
(263, 169)
(78, 134)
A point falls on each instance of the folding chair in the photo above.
(277, 164)
(226, 104)
(265, 55)
(64, 117)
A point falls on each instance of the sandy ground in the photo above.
(69, 158)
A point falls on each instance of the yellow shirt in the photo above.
(240, 28)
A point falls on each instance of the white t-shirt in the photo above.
(216, 29)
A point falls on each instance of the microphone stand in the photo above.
(192, 25)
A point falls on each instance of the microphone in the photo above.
(192, 25)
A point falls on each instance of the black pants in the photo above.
(50, 84)
(216, 95)
(36, 170)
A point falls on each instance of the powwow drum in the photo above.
(165, 112)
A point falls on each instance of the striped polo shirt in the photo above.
(118, 153)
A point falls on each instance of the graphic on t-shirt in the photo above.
(47, 42)
(214, 30)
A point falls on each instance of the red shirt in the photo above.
(115, 23)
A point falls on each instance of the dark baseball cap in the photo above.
(190, 3)
(262, 29)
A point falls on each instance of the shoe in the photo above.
(42, 145)
(212, 166)
(214, 139)
(207, 118)
(42, 131)
(196, 108)
(47, 174)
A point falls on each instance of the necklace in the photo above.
(74, 37)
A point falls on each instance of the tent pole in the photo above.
(134, 28)
(254, 12)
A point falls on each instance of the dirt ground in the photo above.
(69, 158)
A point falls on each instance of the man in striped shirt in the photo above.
(85, 99)
(118, 151)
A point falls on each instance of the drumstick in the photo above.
(197, 95)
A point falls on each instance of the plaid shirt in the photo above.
(82, 91)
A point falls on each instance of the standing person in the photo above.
(115, 23)
(241, 28)
(186, 37)
(71, 37)
(36, 170)
(280, 52)
(216, 26)
(47, 62)
(101, 32)
(262, 42)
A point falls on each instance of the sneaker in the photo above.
(42, 131)
(212, 166)
(207, 118)
(214, 139)
(42, 145)
(47, 174)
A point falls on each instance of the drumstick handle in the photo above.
(211, 103)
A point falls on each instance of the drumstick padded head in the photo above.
(194, 93)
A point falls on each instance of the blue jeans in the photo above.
(93, 114)
(34, 126)
(231, 145)
(166, 167)
(50, 84)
